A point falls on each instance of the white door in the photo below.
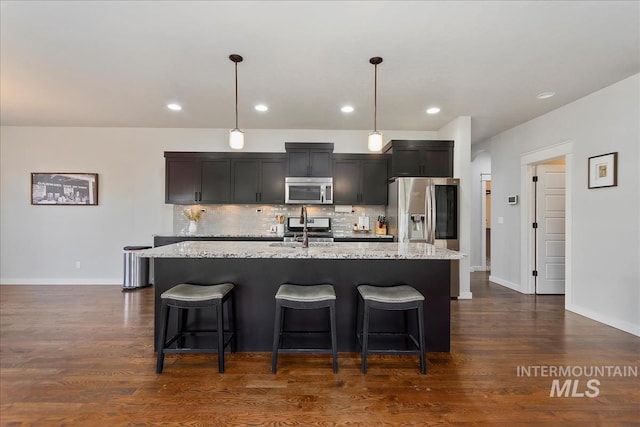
(550, 236)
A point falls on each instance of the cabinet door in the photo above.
(273, 173)
(246, 176)
(216, 181)
(346, 182)
(320, 163)
(298, 163)
(374, 182)
(406, 162)
(182, 181)
(438, 162)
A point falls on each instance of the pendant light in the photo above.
(236, 136)
(375, 137)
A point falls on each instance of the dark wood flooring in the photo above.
(83, 356)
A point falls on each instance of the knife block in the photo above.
(381, 229)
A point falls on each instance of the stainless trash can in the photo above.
(136, 269)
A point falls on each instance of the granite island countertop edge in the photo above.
(341, 250)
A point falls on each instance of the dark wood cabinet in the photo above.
(360, 179)
(309, 159)
(420, 158)
(215, 178)
(258, 178)
(190, 179)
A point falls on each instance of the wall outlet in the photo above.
(78, 264)
(272, 229)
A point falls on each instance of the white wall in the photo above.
(459, 130)
(41, 244)
(606, 222)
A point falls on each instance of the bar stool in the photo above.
(185, 297)
(304, 297)
(402, 297)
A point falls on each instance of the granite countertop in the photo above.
(337, 235)
(346, 250)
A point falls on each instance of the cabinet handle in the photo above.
(195, 196)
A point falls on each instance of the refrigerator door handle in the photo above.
(428, 226)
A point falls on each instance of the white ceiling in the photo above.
(118, 63)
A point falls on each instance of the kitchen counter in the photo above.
(341, 250)
(258, 268)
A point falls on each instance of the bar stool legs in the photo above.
(395, 298)
(184, 297)
(303, 297)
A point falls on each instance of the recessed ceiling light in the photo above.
(433, 110)
(545, 95)
(261, 107)
(347, 109)
(174, 107)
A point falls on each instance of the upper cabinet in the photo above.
(360, 179)
(191, 178)
(213, 178)
(258, 178)
(420, 158)
(309, 159)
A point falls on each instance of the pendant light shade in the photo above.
(236, 139)
(236, 136)
(375, 137)
(375, 141)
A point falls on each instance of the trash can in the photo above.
(136, 269)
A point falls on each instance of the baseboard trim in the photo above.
(465, 295)
(607, 320)
(56, 282)
(506, 283)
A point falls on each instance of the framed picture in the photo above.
(603, 170)
(64, 189)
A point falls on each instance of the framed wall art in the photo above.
(603, 170)
(49, 188)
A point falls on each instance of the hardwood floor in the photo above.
(83, 356)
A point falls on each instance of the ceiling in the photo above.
(117, 63)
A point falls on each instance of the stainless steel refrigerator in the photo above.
(426, 210)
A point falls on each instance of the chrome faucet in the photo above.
(303, 220)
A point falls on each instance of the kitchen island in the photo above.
(258, 268)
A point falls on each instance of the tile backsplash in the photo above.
(258, 219)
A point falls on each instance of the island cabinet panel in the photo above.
(195, 180)
(420, 158)
(259, 180)
(309, 159)
(360, 179)
(257, 279)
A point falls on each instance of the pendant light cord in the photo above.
(236, 95)
(375, 97)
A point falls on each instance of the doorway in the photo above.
(485, 254)
(549, 227)
(529, 163)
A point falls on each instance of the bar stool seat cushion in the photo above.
(187, 292)
(391, 294)
(300, 293)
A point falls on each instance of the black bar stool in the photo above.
(304, 297)
(402, 297)
(185, 297)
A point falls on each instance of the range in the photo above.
(318, 229)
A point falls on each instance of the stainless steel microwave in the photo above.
(308, 191)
